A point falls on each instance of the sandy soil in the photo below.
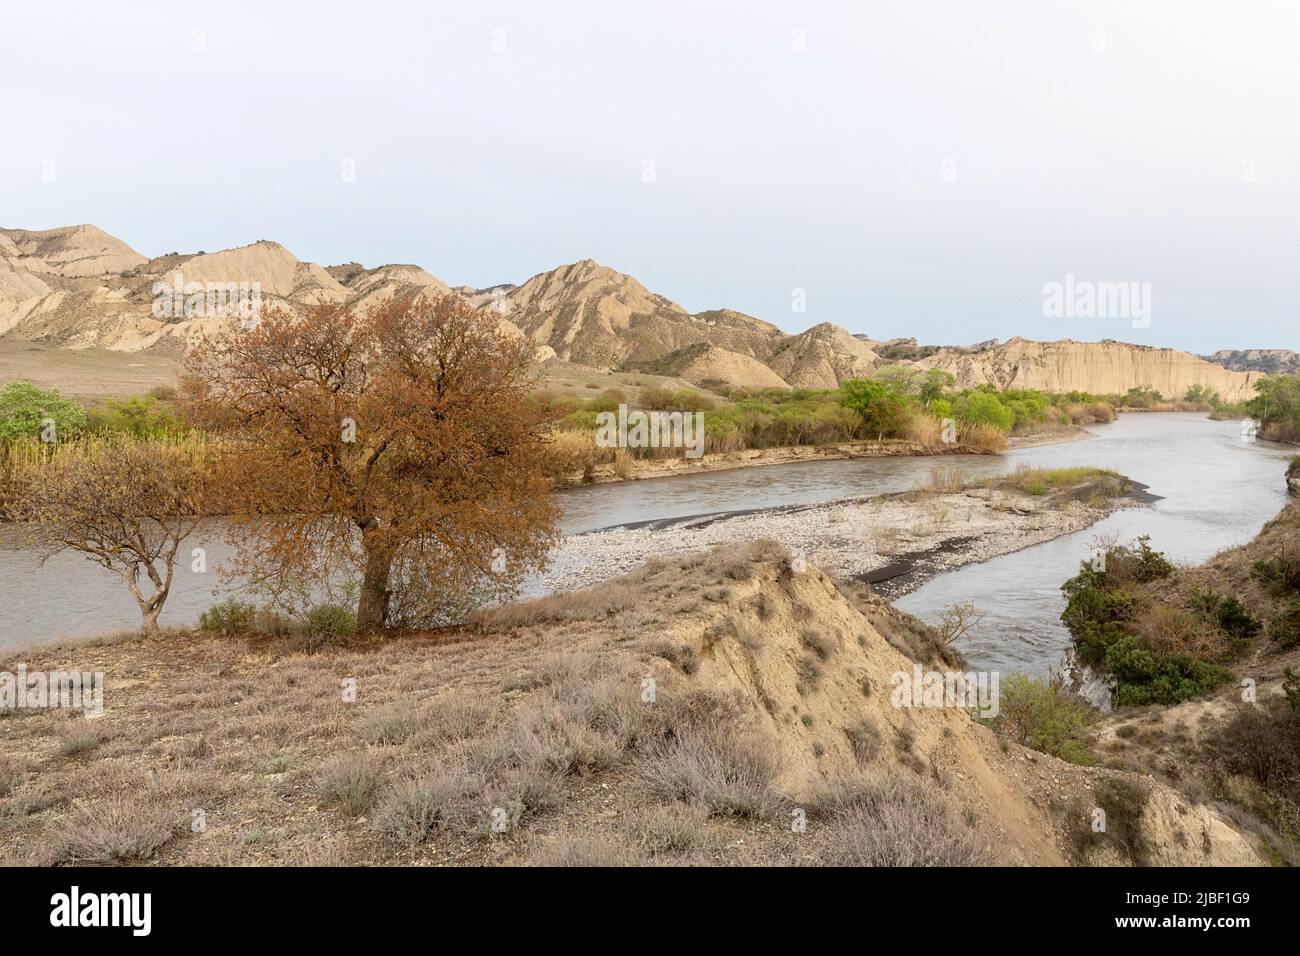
(85, 373)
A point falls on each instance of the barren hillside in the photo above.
(725, 708)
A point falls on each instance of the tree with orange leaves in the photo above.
(364, 444)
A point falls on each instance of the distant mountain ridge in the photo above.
(79, 287)
(1270, 361)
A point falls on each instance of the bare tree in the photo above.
(124, 503)
(956, 621)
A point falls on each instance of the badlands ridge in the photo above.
(78, 287)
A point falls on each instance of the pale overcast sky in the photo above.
(918, 168)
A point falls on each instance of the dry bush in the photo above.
(925, 431)
(350, 781)
(937, 515)
(598, 601)
(567, 452)
(680, 655)
(521, 793)
(729, 773)
(457, 717)
(957, 621)
(126, 504)
(982, 439)
(624, 463)
(1173, 631)
(673, 829)
(391, 725)
(823, 645)
(12, 775)
(1089, 413)
(1123, 801)
(944, 480)
(885, 540)
(810, 675)
(557, 736)
(864, 739)
(113, 830)
(414, 807)
(888, 820)
(76, 745)
(429, 593)
(1263, 743)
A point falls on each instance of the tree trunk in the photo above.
(149, 617)
(372, 612)
(151, 608)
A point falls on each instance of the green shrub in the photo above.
(1280, 575)
(1144, 676)
(984, 408)
(1285, 629)
(1099, 612)
(139, 417)
(1044, 716)
(1095, 613)
(25, 412)
(885, 409)
(327, 622)
(1228, 614)
(229, 616)
(1277, 407)
(1291, 688)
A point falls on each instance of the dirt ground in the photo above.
(87, 374)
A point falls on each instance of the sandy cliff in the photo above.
(1102, 368)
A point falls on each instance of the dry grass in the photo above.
(531, 743)
(893, 821)
(573, 452)
(413, 808)
(351, 782)
(584, 850)
(113, 830)
(712, 766)
(982, 439)
(944, 480)
(864, 738)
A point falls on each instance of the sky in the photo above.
(923, 168)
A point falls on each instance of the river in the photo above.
(1217, 491)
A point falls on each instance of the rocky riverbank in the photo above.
(895, 542)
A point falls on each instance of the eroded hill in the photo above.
(79, 287)
(729, 707)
